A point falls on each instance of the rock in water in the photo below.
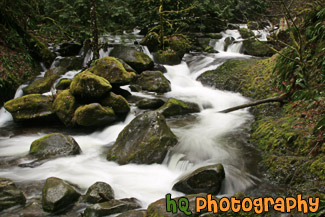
(10, 195)
(42, 85)
(145, 140)
(111, 207)
(88, 86)
(65, 105)
(117, 102)
(136, 59)
(203, 180)
(112, 70)
(58, 195)
(153, 81)
(53, 146)
(150, 103)
(31, 107)
(257, 48)
(93, 115)
(63, 84)
(175, 107)
(94, 191)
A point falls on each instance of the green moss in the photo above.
(42, 85)
(119, 104)
(175, 107)
(63, 84)
(257, 48)
(246, 33)
(167, 57)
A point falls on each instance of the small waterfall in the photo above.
(234, 47)
(145, 50)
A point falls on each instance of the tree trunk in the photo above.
(94, 29)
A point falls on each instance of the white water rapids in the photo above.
(206, 140)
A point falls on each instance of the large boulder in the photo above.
(150, 103)
(53, 146)
(136, 59)
(31, 107)
(246, 33)
(111, 207)
(58, 195)
(112, 70)
(117, 102)
(153, 81)
(175, 107)
(167, 57)
(41, 85)
(257, 48)
(145, 140)
(94, 115)
(98, 192)
(88, 86)
(63, 84)
(10, 195)
(65, 105)
(206, 179)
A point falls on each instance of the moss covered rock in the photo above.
(94, 115)
(112, 70)
(151, 40)
(65, 105)
(87, 86)
(31, 107)
(136, 59)
(145, 140)
(41, 85)
(63, 84)
(206, 179)
(153, 81)
(246, 33)
(167, 57)
(150, 103)
(68, 63)
(175, 107)
(10, 195)
(111, 207)
(53, 146)
(94, 191)
(257, 48)
(55, 71)
(58, 195)
(117, 102)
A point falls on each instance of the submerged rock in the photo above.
(53, 146)
(175, 107)
(119, 104)
(93, 115)
(145, 140)
(136, 59)
(95, 191)
(31, 107)
(150, 103)
(58, 195)
(41, 85)
(112, 70)
(153, 81)
(10, 195)
(65, 106)
(88, 86)
(203, 180)
(111, 207)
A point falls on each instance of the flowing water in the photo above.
(205, 138)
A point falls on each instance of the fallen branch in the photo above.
(255, 103)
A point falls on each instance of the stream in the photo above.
(204, 138)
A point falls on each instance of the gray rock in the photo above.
(97, 189)
(150, 103)
(175, 107)
(153, 81)
(10, 195)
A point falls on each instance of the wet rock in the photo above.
(257, 48)
(253, 25)
(68, 63)
(229, 41)
(53, 146)
(175, 107)
(69, 49)
(203, 42)
(167, 58)
(119, 104)
(145, 140)
(41, 85)
(158, 208)
(127, 67)
(31, 107)
(214, 35)
(159, 67)
(94, 115)
(112, 70)
(153, 81)
(136, 59)
(134, 213)
(150, 103)
(55, 71)
(10, 195)
(58, 195)
(88, 86)
(65, 105)
(99, 192)
(203, 180)
(246, 33)
(111, 207)
(63, 84)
